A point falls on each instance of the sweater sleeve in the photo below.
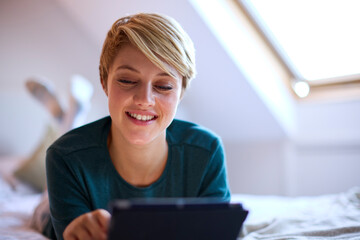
(67, 195)
(215, 182)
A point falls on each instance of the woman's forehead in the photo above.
(131, 58)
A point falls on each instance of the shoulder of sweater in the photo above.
(87, 136)
(184, 132)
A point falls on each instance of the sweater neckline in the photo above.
(121, 179)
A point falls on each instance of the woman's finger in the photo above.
(103, 218)
(96, 224)
(92, 225)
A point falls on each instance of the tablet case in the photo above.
(175, 218)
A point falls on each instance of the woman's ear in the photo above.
(104, 86)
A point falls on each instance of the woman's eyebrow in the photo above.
(164, 74)
(127, 67)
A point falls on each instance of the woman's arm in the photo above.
(215, 181)
(69, 201)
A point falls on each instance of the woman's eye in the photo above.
(126, 82)
(163, 88)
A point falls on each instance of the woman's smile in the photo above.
(142, 119)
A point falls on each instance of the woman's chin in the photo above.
(143, 140)
(140, 141)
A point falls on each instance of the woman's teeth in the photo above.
(141, 117)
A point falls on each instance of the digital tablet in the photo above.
(175, 218)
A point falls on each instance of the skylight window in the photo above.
(318, 40)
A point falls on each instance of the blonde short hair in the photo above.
(160, 38)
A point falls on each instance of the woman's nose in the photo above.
(144, 96)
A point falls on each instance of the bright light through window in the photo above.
(320, 37)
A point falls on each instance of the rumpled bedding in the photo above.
(322, 217)
(16, 209)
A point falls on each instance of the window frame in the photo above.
(344, 87)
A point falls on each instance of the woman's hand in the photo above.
(92, 225)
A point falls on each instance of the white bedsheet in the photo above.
(16, 208)
(322, 217)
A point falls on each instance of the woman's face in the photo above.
(142, 98)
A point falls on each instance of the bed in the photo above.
(335, 216)
(18, 201)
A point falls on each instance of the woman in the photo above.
(146, 64)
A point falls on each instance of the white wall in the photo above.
(324, 168)
(323, 158)
(256, 167)
(38, 39)
(285, 168)
(329, 121)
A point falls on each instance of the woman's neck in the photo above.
(139, 165)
